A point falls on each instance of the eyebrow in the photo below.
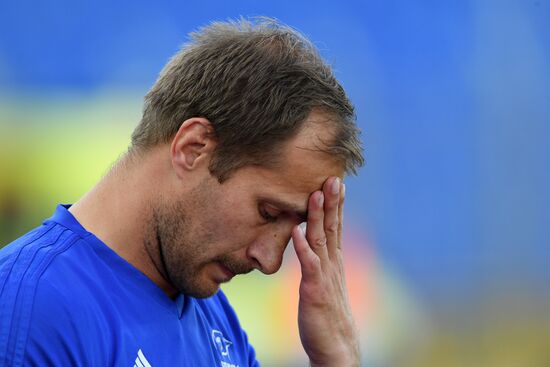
(298, 210)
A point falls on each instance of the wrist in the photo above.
(346, 356)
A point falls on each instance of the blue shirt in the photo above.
(67, 299)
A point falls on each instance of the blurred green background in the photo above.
(446, 226)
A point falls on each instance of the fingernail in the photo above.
(321, 199)
(336, 186)
(343, 189)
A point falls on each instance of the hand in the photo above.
(326, 325)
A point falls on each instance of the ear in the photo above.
(192, 146)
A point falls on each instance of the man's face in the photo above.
(215, 231)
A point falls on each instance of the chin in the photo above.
(204, 293)
(204, 290)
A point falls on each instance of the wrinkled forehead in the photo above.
(306, 160)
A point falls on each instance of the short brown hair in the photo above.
(256, 81)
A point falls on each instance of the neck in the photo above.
(118, 211)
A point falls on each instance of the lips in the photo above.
(227, 274)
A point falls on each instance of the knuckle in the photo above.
(332, 228)
(320, 242)
(315, 263)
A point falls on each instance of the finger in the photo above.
(341, 214)
(315, 233)
(309, 261)
(331, 189)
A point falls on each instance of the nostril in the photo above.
(273, 266)
(266, 262)
(256, 264)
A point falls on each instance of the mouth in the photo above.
(226, 274)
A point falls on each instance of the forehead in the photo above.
(306, 159)
(304, 163)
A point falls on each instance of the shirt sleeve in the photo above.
(37, 322)
(54, 338)
(35, 329)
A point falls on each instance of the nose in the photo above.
(267, 251)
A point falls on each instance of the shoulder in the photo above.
(25, 261)
(35, 304)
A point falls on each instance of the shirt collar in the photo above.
(63, 216)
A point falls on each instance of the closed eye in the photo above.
(270, 215)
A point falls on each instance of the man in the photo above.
(245, 135)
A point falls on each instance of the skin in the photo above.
(170, 218)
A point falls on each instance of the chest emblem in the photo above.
(221, 343)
